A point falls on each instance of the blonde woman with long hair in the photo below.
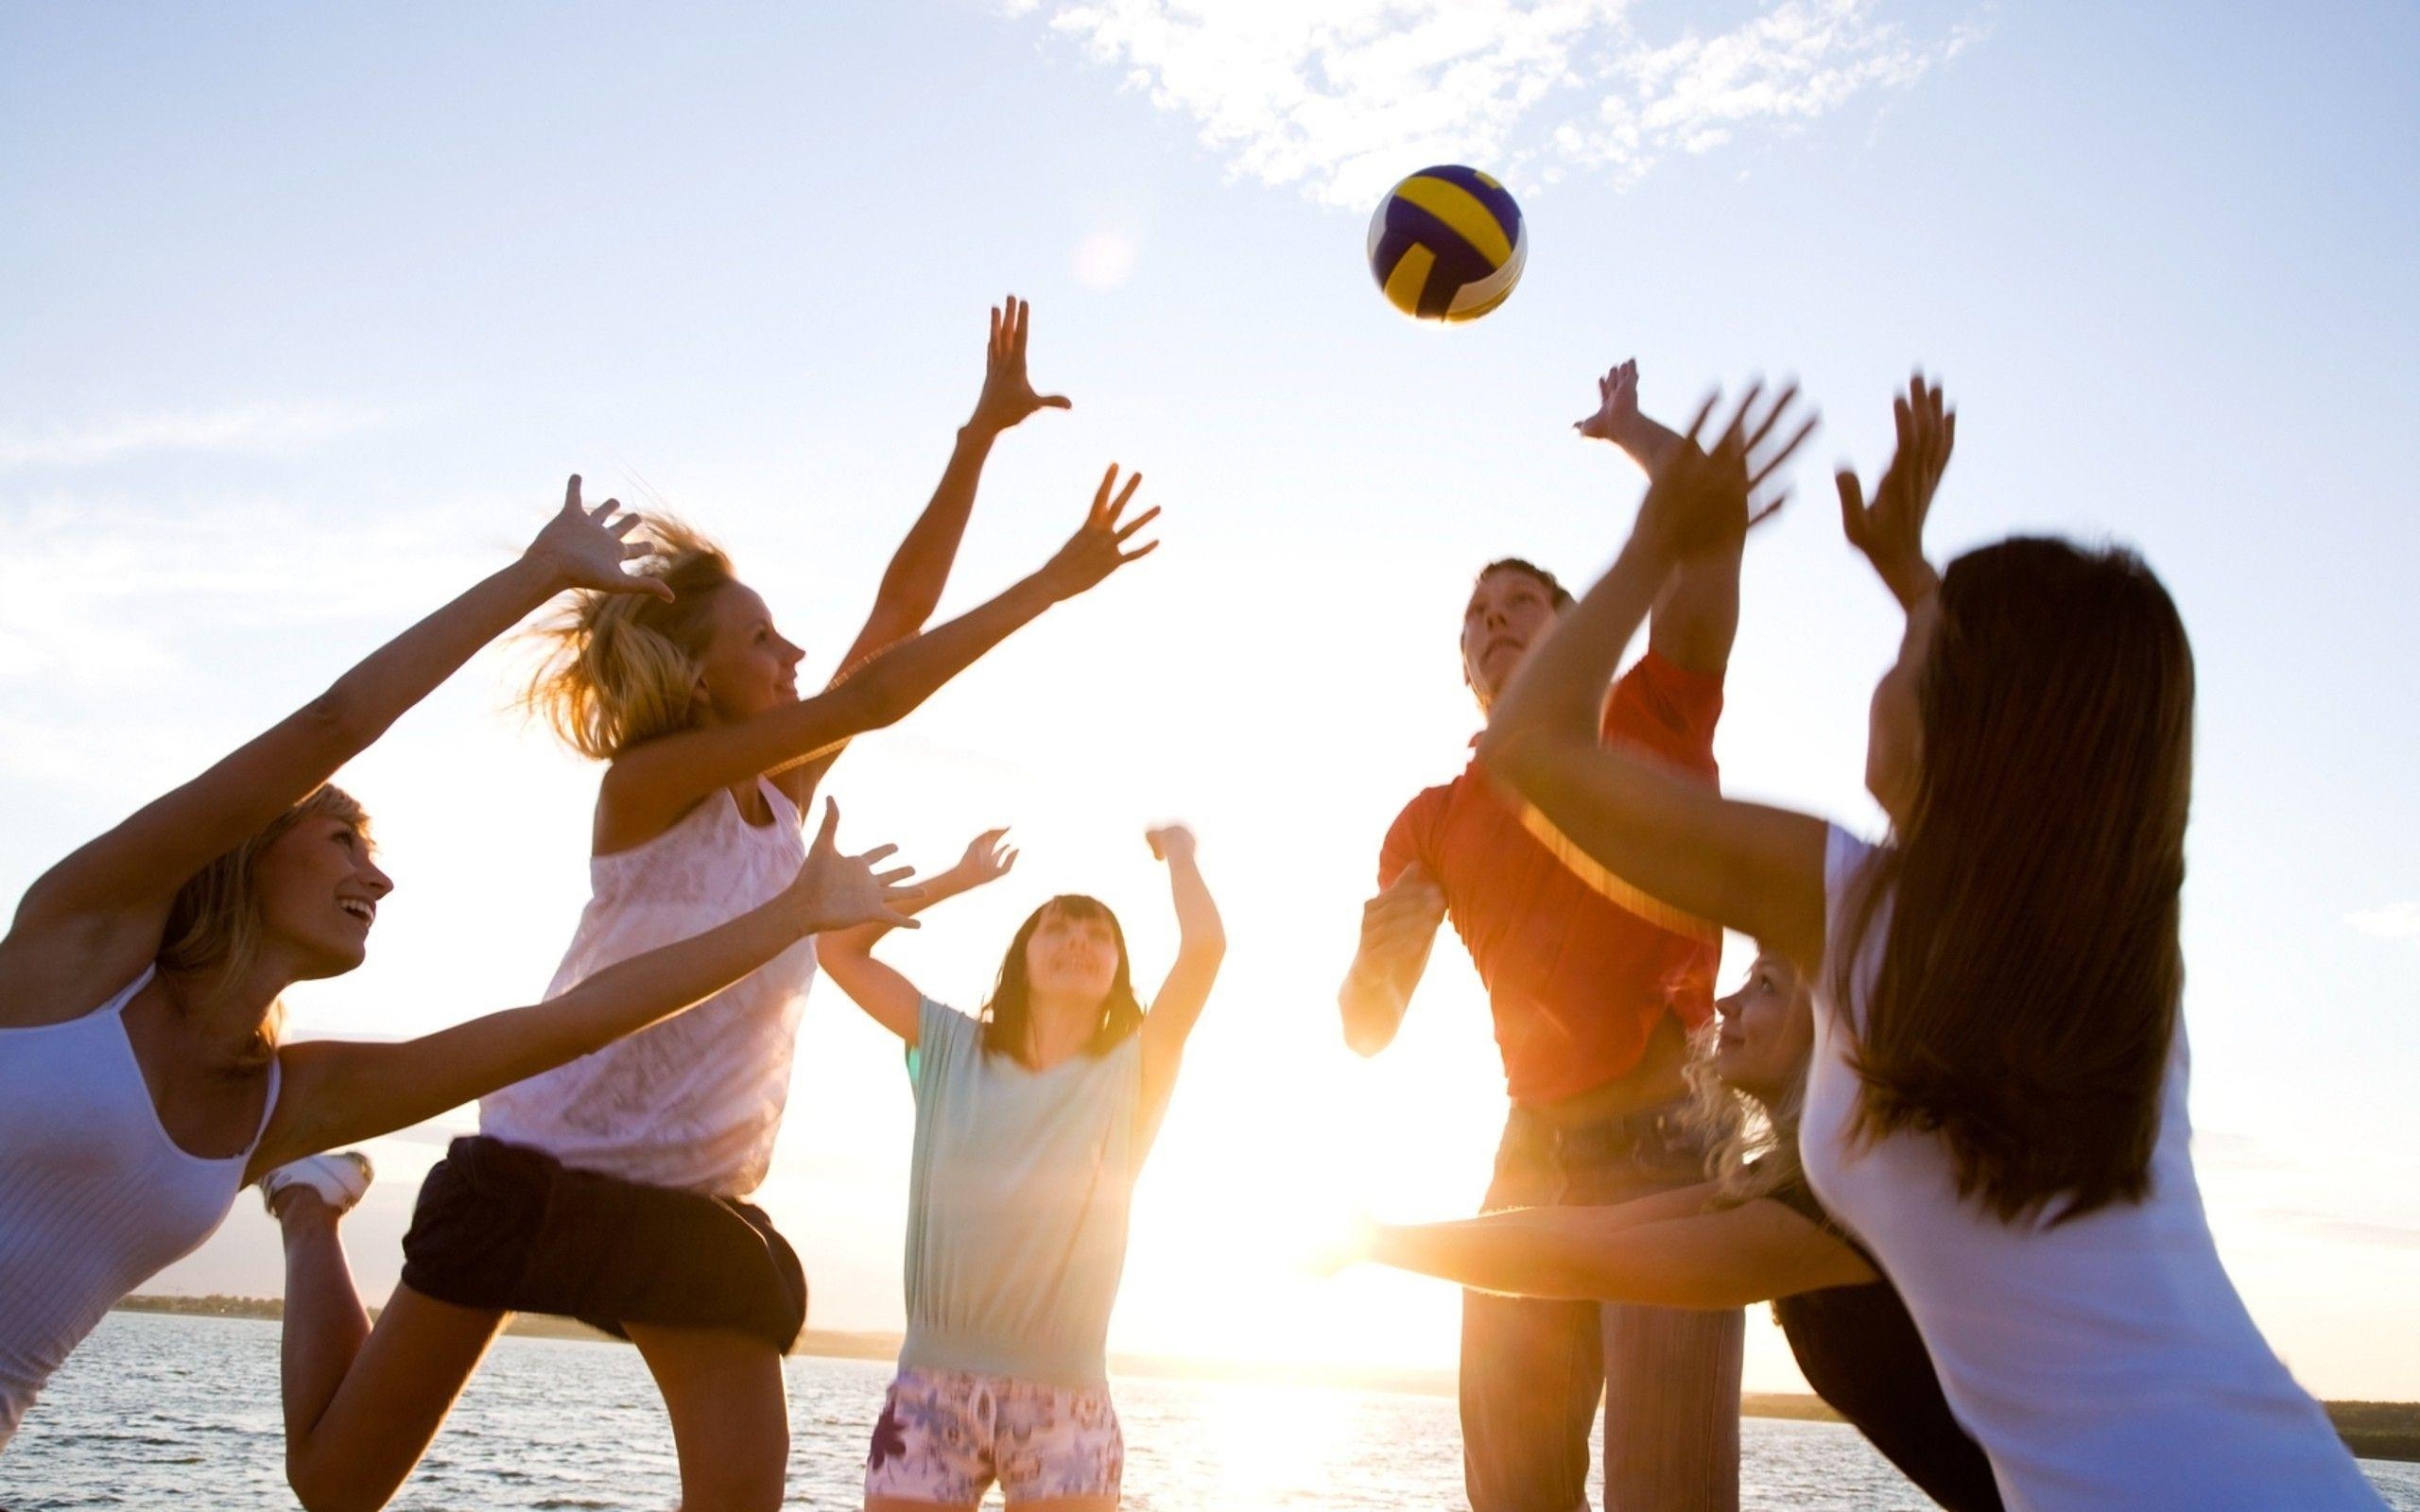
(143, 1082)
(614, 1189)
(1752, 1233)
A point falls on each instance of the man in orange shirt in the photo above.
(1594, 992)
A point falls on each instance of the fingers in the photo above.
(1776, 459)
(1056, 401)
(1137, 554)
(1133, 482)
(1100, 495)
(1852, 506)
(1772, 416)
(880, 853)
(991, 343)
(1020, 321)
(1136, 524)
(894, 876)
(1704, 412)
(831, 824)
(571, 495)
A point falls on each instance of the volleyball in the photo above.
(1447, 244)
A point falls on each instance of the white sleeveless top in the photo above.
(694, 1102)
(94, 1197)
(2105, 1363)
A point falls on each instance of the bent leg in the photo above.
(362, 1403)
(1672, 1408)
(731, 1419)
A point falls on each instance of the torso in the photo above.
(2103, 1362)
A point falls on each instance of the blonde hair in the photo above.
(620, 669)
(1752, 1145)
(215, 922)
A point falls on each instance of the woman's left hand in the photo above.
(586, 548)
(1170, 843)
(988, 859)
(1008, 394)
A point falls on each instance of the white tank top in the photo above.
(94, 1197)
(2105, 1363)
(694, 1102)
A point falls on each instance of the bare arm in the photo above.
(1398, 929)
(94, 919)
(1202, 945)
(652, 786)
(919, 570)
(338, 1092)
(1753, 869)
(1714, 1258)
(1698, 616)
(884, 991)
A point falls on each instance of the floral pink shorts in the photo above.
(946, 1435)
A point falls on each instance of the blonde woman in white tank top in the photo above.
(1996, 1102)
(613, 1189)
(142, 1084)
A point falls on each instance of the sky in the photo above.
(305, 315)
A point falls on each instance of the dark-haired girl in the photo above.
(1996, 1102)
(1032, 1119)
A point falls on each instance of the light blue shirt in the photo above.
(1018, 1195)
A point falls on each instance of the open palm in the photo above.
(587, 548)
(1008, 394)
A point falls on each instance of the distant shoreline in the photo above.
(2372, 1430)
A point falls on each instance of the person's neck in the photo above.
(224, 1019)
(1057, 1028)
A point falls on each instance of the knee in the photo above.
(318, 1490)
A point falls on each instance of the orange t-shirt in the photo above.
(1576, 981)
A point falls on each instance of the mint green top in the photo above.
(1017, 1203)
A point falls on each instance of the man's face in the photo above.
(1510, 611)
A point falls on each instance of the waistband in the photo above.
(1663, 1129)
(927, 1348)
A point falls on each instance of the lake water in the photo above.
(161, 1410)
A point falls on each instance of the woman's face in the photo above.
(747, 667)
(1768, 1028)
(319, 887)
(1894, 742)
(1072, 958)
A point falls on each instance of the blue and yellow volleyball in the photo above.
(1447, 244)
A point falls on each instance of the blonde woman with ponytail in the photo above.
(614, 1189)
(1754, 1232)
(142, 1080)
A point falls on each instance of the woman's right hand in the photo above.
(834, 891)
(1099, 548)
(587, 548)
(1889, 530)
(988, 859)
(1699, 499)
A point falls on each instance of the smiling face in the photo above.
(317, 885)
(1768, 1029)
(1072, 957)
(1510, 610)
(1895, 745)
(747, 667)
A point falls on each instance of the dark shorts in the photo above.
(509, 1228)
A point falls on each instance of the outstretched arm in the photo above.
(1752, 868)
(1890, 530)
(1202, 945)
(918, 571)
(338, 1092)
(652, 786)
(94, 919)
(847, 956)
(1666, 1257)
(1698, 616)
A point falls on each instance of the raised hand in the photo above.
(1008, 395)
(586, 548)
(834, 891)
(1170, 843)
(988, 859)
(1700, 500)
(1099, 548)
(1616, 414)
(1889, 530)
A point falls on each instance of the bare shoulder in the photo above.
(56, 969)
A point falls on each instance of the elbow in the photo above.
(338, 717)
(1513, 755)
(1366, 1030)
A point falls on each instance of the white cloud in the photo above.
(256, 430)
(1342, 96)
(2398, 921)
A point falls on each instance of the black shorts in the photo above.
(510, 1227)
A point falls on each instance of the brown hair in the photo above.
(1008, 1017)
(214, 923)
(620, 669)
(1556, 593)
(2031, 969)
